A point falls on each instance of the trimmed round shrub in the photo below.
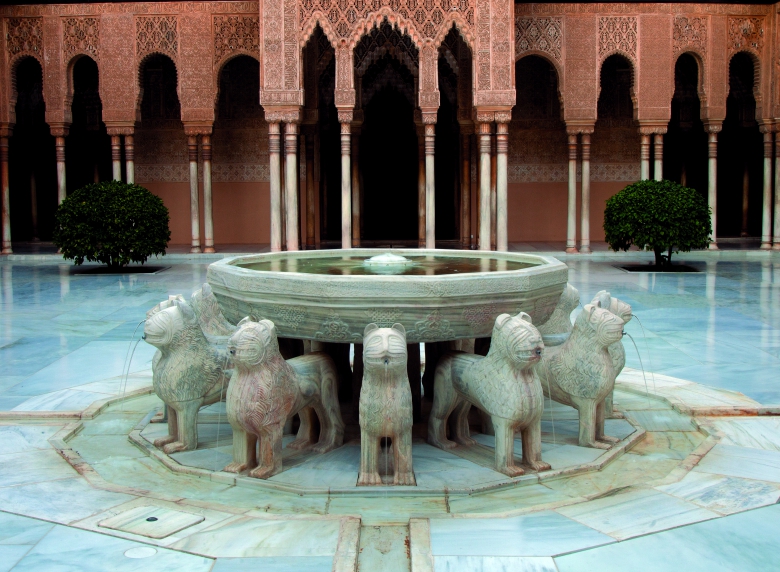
(113, 223)
(662, 216)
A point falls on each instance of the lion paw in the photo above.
(443, 444)
(175, 447)
(465, 441)
(300, 444)
(616, 415)
(608, 439)
(539, 465)
(323, 447)
(597, 445)
(512, 471)
(262, 472)
(405, 479)
(163, 441)
(369, 479)
(236, 467)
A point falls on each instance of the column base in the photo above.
(195, 250)
(209, 250)
(766, 246)
(775, 246)
(9, 250)
(585, 250)
(713, 246)
(571, 250)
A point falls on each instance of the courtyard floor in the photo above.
(693, 485)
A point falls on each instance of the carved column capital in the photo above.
(579, 128)
(484, 116)
(346, 115)
(429, 117)
(652, 129)
(713, 127)
(59, 129)
(767, 126)
(120, 128)
(198, 129)
(283, 114)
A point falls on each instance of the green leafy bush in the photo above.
(113, 223)
(661, 216)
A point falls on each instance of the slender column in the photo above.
(484, 186)
(192, 148)
(291, 183)
(766, 217)
(355, 192)
(502, 148)
(776, 235)
(658, 153)
(712, 179)
(346, 175)
(274, 150)
(430, 186)
(492, 191)
(644, 157)
(585, 209)
(130, 159)
(465, 192)
(208, 222)
(310, 190)
(116, 157)
(59, 149)
(571, 224)
(7, 249)
(420, 186)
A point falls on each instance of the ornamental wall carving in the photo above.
(80, 35)
(746, 33)
(690, 32)
(156, 34)
(538, 35)
(618, 34)
(24, 36)
(236, 34)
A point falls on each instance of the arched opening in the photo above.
(685, 144)
(32, 172)
(538, 155)
(740, 164)
(161, 162)
(615, 140)
(241, 209)
(88, 147)
(386, 67)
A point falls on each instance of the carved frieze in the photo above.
(157, 34)
(24, 35)
(80, 35)
(538, 35)
(236, 34)
(746, 33)
(690, 32)
(618, 34)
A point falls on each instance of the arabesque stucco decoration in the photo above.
(80, 36)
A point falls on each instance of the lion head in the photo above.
(606, 327)
(166, 322)
(253, 342)
(605, 300)
(384, 346)
(517, 339)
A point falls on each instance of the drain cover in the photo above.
(151, 521)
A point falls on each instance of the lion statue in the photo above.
(504, 385)
(616, 351)
(559, 322)
(265, 391)
(385, 406)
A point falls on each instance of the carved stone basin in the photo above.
(438, 295)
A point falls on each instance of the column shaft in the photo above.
(291, 184)
(430, 186)
(502, 149)
(310, 190)
(208, 222)
(766, 213)
(59, 149)
(585, 209)
(346, 191)
(274, 150)
(776, 232)
(493, 169)
(421, 186)
(7, 249)
(658, 153)
(192, 149)
(571, 222)
(644, 157)
(465, 192)
(712, 184)
(355, 193)
(130, 159)
(484, 186)
(116, 157)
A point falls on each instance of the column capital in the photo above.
(429, 117)
(767, 126)
(59, 129)
(713, 126)
(280, 114)
(346, 115)
(577, 127)
(654, 128)
(198, 128)
(120, 127)
(6, 130)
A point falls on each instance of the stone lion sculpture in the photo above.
(210, 317)
(385, 406)
(265, 391)
(188, 372)
(559, 322)
(616, 351)
(580, 372)
(503, 384)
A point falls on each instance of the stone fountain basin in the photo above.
(335, 305)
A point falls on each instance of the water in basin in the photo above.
(418, 266)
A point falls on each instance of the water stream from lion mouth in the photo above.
(126, 366)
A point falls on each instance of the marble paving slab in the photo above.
(25, 438)
(17, 530)
(275, 564)
(151, 521)
(494, 564)
(544, 533)
(33, 466)
(725, 495)
(745, 462)
(756, 433)
(635, 512)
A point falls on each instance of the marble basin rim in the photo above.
(337, 308)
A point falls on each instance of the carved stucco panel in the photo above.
(236, 34)
(119, 88)
(690, 32)
(618, 34)
(81, 35)
(746, 33)
(157, 34)
(539, 35)
(24, 36)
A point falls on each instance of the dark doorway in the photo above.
(88, 146)
(388, 164)
(685, 144)
(32, 162)
(615, 139)
(740, 156)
